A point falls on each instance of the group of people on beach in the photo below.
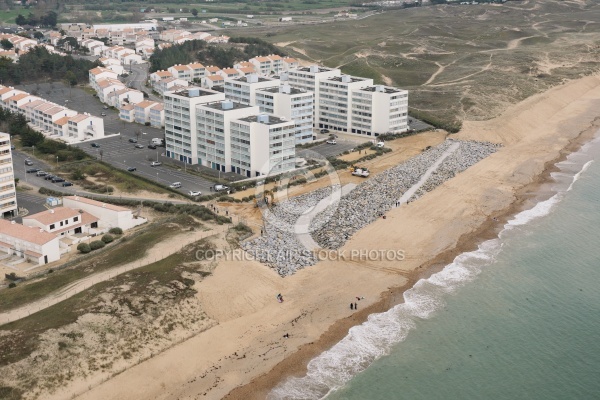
(354, 306)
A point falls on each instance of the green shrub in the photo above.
(97, 244)
(107, 238)
(12, 285)
(83, 248)
(116, 231)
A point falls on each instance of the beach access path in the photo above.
(411, 192)
(162, 250)
(302, 226)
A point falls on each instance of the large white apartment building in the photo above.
(243, 89)
(8, 194)
(262, 144)
(291, 103)
(351, 104)
(213, 131)
(180, 121)
(335, 95)
(379, 109)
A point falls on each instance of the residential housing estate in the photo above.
(51, 119)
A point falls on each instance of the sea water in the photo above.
(519, 318)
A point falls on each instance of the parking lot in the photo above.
(121, 153)
(329, 150)
(81, 101)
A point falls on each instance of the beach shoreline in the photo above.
(295, 365)
(244, 356)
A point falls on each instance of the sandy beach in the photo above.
(246, 354)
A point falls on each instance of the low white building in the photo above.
(99, 73)
(109, 215)
(29, 243)
(63, 222)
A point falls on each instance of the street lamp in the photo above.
(57, 161)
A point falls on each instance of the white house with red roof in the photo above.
(27, 242)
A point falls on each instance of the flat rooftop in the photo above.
(248, 78)
(265, 119)
(193, 92)
(315, 69)
(351, 78)
(277, 90)
(218, 105)
(382, 89)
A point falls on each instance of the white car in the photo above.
(331, 141)
(195, 193)
(155, 163)
(380, 144)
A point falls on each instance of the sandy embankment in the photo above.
(241, 295)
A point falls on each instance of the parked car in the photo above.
(41, 173)
(32, 170)
(106, 107)
(195, 193)
(221, 188)
(96, 145)
(324, 131)
(175, 185)
(151, 146)
(28, 162)
(67, 184)
(57, 179)
(132, 140)
(380, 144)
(331, 141)
(103, 114)
(131, 169)
(155, 163)
(139, 146)
(12, 146)
(49, 177)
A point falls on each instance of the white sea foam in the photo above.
(578, 175)
(373, 339)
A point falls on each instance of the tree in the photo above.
(194, 12)
(138, 133)
(69, 41)
(38, 35)
(6, 44)
(84, 248)
(70, 78)
(21, 20)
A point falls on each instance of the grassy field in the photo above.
(8, 16)
(119, 253)
(459, 62)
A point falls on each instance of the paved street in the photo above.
(137, 78)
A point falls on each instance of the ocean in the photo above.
(519, 318)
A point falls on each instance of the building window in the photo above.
(75, 219)
(51, 226)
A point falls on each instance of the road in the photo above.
(137, 78)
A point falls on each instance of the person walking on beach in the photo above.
(351, 306)
(355, 306)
